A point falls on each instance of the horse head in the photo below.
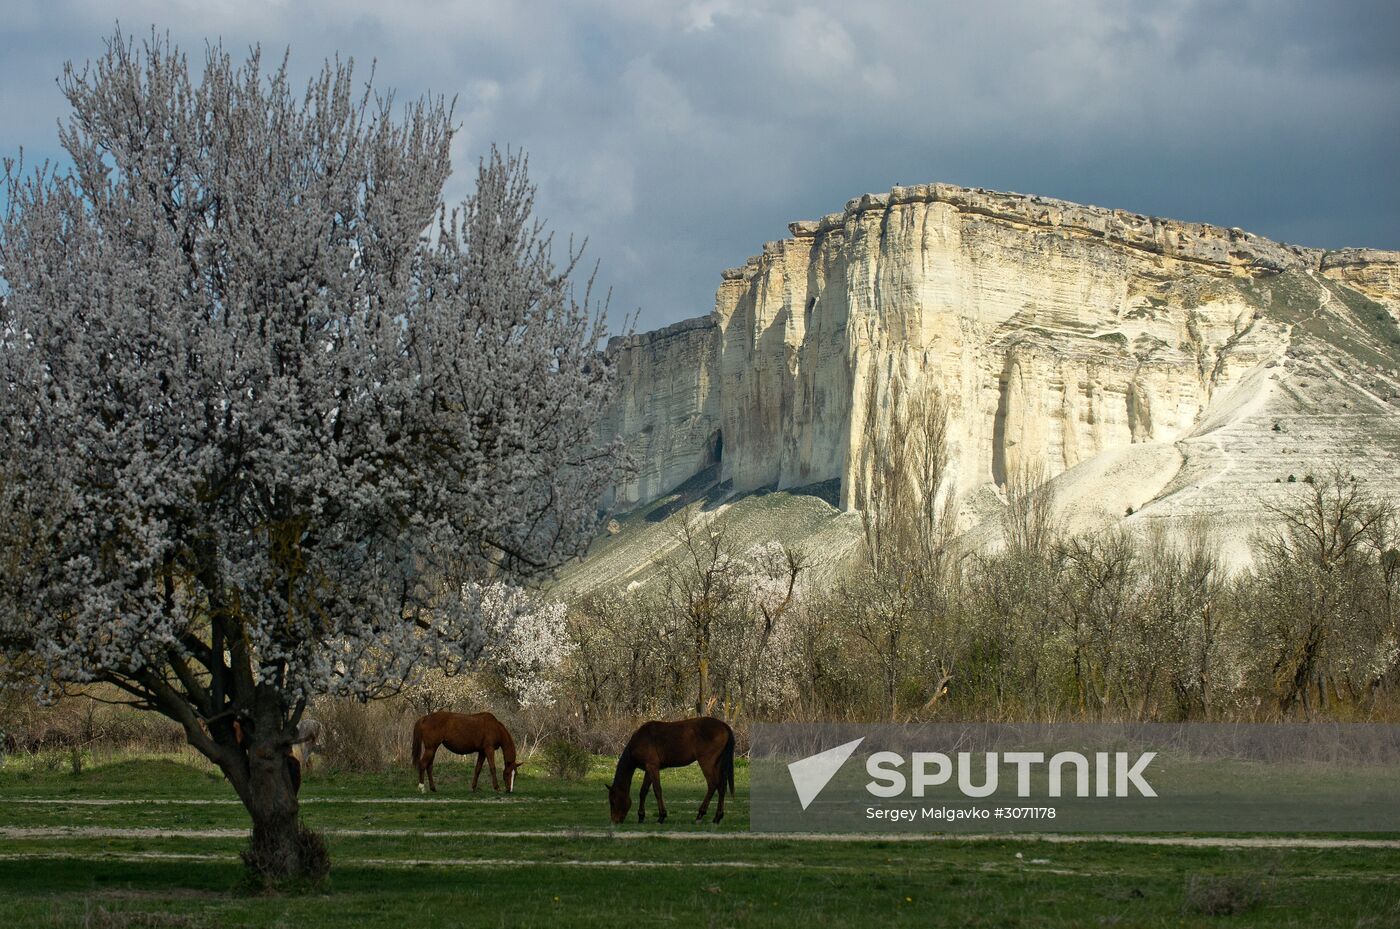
(619, 801)
(511, 768)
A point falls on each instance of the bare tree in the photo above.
(1317, 579)
(622, 664)
(1182, 637)
(897, 600)
(1099, 593)
(1028, 524)
(699, 583)
(907, 509)
(1383, 539)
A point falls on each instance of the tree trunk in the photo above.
(282, 848)
(702, 693)
(892, 685)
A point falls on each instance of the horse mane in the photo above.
(507, 742)
(626, 765)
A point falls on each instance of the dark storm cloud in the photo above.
(679, 137)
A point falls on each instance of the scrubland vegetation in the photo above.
(1116, 625)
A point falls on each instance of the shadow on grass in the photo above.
(150, 776)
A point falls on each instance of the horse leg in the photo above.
(491, 760)
(642, 797)
(705, 804)
(655, 774)
(476, 776)
(712, 778)
(431, 755)
(422, 761)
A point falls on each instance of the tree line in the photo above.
(1115, 624)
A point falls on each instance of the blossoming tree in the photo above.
(527, 642)
(268, 407)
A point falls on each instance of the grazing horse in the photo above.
(658, 745)
(481, 733)
(307, 742)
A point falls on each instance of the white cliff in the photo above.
(1174, 369)
(667, 406)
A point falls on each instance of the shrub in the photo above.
(608, 735)
(49, 762)
(565, 760)
(1223, 896)
(365, 737)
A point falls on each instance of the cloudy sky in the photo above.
(678, 137)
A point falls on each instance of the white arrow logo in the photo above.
(814, 772)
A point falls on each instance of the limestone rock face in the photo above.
(1205, 363)
(667, 406)
(1374, 273)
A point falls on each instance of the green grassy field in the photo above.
(154, 843)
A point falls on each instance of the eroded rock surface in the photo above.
(1177, 369)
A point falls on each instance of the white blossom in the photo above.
(527, 643)
(259, 429)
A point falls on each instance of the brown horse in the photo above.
(481, 733)
(658, 745)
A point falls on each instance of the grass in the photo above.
(1356, 324)
(108, 865)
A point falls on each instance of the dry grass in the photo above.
(1223, 895)
(365, 737)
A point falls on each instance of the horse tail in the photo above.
(417, 743)
(726, 764)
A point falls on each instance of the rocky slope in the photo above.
(1168, 368)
